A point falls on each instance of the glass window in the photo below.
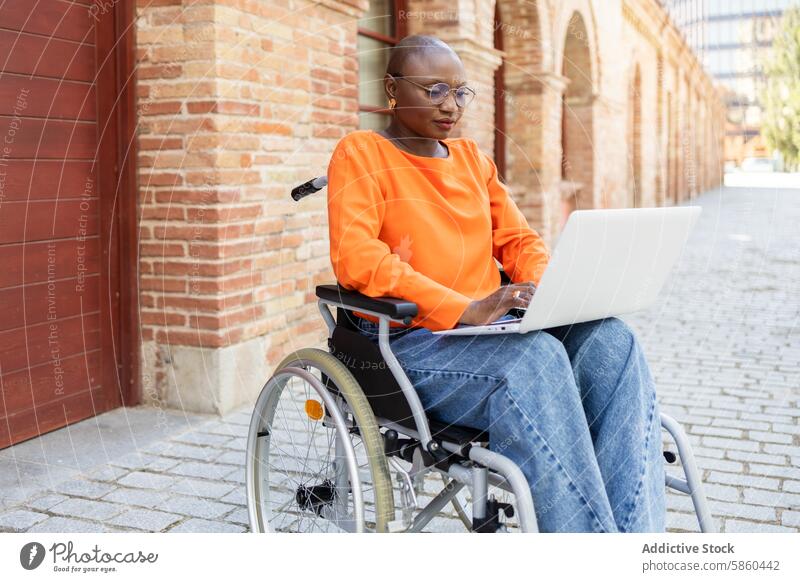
(373, 55)
(380, 17)
(379, 30)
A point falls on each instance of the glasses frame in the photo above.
(430, 90)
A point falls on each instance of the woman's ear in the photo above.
(390, 86)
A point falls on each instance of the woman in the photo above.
(420, 216)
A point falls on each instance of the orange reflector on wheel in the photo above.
(314, 409)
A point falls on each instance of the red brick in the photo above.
(224, 214)
(159, 107)
(162, 284)
(160, 143)
(160, 179)
(162, 318)
(226, 107)
(161, 250)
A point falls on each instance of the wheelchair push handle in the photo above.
(314, 185)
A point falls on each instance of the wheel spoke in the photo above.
(296, 459)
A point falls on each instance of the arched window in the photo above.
(381, 27)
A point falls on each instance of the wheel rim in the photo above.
(302, 472)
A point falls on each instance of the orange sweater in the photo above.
(425, 229)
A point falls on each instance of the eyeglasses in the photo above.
(439, 92)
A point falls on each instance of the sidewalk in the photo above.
(724, 348)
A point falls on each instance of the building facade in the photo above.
(202, 268)
(732, 38)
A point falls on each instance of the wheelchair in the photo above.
(340, 442)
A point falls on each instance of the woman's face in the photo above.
(414, 108)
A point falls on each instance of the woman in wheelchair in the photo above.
(417, 215)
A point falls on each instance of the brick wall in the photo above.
(239, 100)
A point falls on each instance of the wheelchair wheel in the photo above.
(315, 455)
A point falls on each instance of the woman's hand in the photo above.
(496, 305)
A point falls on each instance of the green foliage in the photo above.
(781, 95)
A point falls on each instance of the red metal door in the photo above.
(59, 304)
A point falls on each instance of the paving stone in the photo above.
(239, 516)
(136, 460)
(146, 519)
(202, 470)
(46, 501)
(183, 451)
(746, 480)
(68, 525)
(739, 526)
(238, 444)
(791, 518)
(140, 497)
(721, 492)
(742, 511)
(19, 520)
(232, 458)
(237, 475)
(202, 439)
(147, 480)
(106, 473)
(772, 498)
(160, 464)
(791, 486)
(238, 496)
(771, 437)
(205, 526)
(682, 522)
(81, 488)
(195, 507)
(719, 465)
(201, 488)
(777, 471)
(757, 457)
(89, 509)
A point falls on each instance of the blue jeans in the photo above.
(574, 406)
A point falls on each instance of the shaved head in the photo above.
(417, 45)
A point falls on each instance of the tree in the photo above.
(781, 95)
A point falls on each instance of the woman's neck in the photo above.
(413, 143)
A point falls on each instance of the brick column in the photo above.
(534, 156)
(238, 103)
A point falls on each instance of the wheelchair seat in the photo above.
(365, 361)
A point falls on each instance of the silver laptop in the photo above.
(606, 263)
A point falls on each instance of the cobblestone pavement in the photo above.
(724, 348)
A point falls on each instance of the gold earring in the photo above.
(392, 103)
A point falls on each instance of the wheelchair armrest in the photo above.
(395, 308)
